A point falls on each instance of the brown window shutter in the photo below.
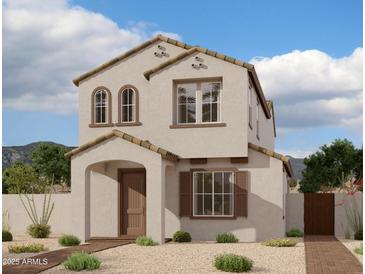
(241, 193)
(186, 190)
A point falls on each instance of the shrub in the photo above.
(145, 241)
(233, 263)
(358, 234)
(181, 236)
(226, 238)
(280, 242)
(80, 261)
(29, 248)
(294, 232)
(7, 236)
(358, 250)
(39, 230)
(68, 240)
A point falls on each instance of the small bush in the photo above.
(280, 242)
(29, 248)
(7, 236)
(39, 231)
(181, 237)
(295, 233)
(358, 250)
(80, 261)
(145, 241)
(358, 235)
(68, 240)
(233, 263)
(226, 238)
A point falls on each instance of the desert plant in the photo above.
(7, 236)
(145, 241)
(292, 182)
(294, 232)
(79, 261)
(226, 238)
(358, 250)
(181, 236)
(39, 230)
(39, 223)
(358, 235)
(6, 220)
(29, 248)
(233, 263)
(68, 240)
(353, 216)
(280, 242)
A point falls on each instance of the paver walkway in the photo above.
(56, 257)
(326, 254)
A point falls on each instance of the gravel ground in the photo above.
(50, 243)
(351, 245)
(195, 258)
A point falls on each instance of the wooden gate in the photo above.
(319, 213)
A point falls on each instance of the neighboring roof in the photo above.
(117, 133)
(249, 67)
(270, 105)
(273, 154)
(130, 52)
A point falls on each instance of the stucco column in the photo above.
(80, 200)
(155, 201)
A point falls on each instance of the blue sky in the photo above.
(324, 37)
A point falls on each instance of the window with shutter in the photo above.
(241, 194)
(185, 194)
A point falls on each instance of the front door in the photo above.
(132, 202)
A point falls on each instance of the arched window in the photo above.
(128, 106)
(101, 111)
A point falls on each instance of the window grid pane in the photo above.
(128, 105)
(100, 106)
(210, 102)
(212, 195)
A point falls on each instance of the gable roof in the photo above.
(134, 140)
(190, 50)
(128, 53)
(251, 70)
(273, 154)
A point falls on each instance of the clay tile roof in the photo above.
(273, 154)
(128, 53)
(117, 133)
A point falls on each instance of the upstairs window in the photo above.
(199, 103)
(128, 105)
(258, 119)
(101, 106)
(250, 88)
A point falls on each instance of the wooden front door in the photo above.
(132, 202)
(319, 213)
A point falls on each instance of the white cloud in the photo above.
(313, 89)
(48, 43)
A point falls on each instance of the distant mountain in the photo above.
(298, 166)
(23, 154)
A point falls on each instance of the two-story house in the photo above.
(176, 137)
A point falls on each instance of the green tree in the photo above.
(22, 178)
(49, 161)
(331, 166)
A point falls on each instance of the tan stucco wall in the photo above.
(295, 211)
(60, 220)
(90, 180)
(265, 202)
(156, 104)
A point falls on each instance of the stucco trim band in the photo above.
(134, 140)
